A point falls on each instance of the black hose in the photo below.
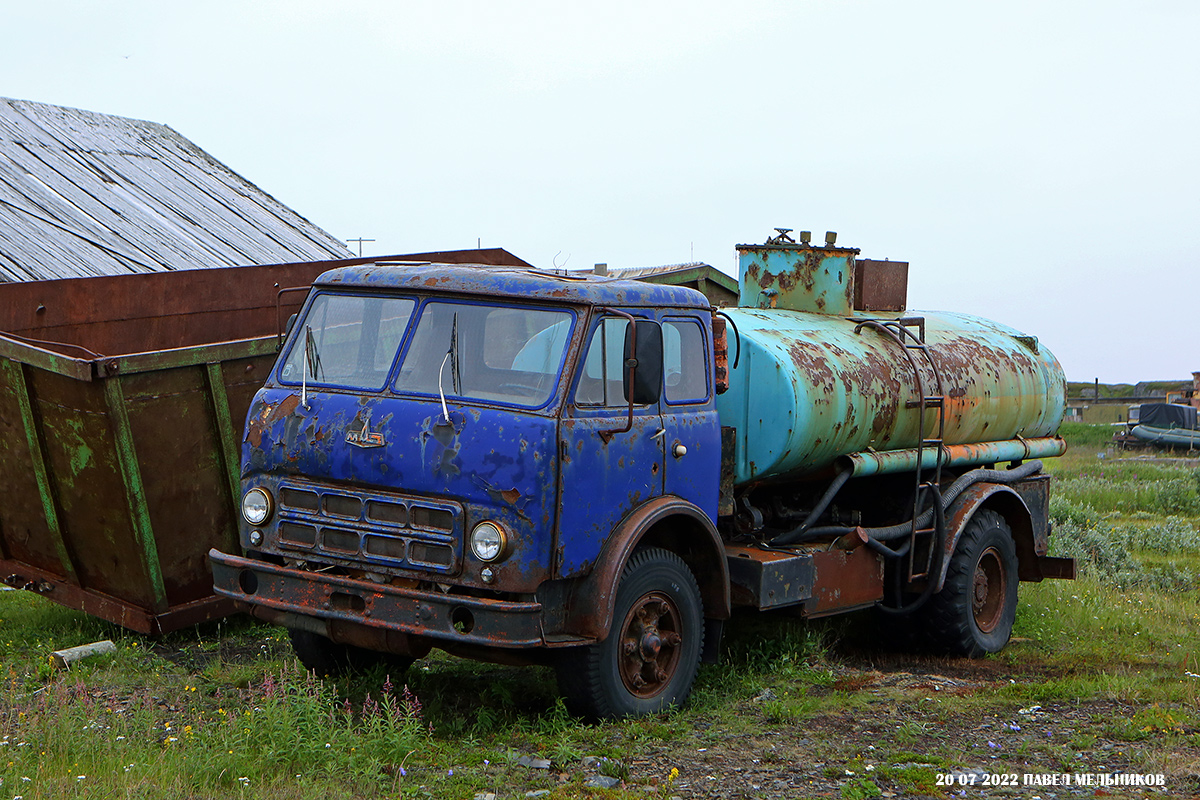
(787, 537)
(887, 552)
(899, 530)
(935, 569)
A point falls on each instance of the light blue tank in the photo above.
(811, 385)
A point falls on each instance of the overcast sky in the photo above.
(1036, 162)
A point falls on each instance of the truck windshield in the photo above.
(353, 341)
(506, 354)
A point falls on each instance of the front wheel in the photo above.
(649, 660)
(973, 614)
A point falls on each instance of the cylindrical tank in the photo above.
(810, 387)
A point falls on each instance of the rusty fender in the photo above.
(1032, 562)
(668, 522)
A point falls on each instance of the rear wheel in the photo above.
(973, 614)
(329, 659)
(650, 658)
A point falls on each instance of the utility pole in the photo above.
(360, 244)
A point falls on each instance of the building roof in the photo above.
(719, 288)
(83, 193)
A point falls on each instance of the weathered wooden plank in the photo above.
(177, 149)
(73, 210)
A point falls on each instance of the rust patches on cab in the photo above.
(267, 416)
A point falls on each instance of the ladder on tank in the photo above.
(909, 333)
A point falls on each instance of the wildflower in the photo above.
(450, 772)
(993, 745)
(403, 772)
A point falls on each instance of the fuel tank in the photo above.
(827, 362)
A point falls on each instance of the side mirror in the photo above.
(643, 362)
(291, 322)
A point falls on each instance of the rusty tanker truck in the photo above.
(532, 467)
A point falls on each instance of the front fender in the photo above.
(669, 522)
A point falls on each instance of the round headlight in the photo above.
(488, 541)
(256, 506)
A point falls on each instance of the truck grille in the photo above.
(387, 531)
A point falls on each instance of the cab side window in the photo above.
(600, 383)
(684, 357)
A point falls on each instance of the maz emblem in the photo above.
(365, 437)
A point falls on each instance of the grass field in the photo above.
(1102, 676)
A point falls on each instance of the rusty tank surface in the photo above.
(122, 401)
(829, 366)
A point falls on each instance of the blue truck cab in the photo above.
(506, 464)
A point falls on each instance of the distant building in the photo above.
(719, 288)
(83, 194)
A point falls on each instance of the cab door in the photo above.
(605, 472)
(691, 428)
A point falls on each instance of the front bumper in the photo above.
(275, 592)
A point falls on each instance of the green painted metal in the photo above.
(35, 356)
(135, 491)
(228, 435)
(186, 356)
(14, 377)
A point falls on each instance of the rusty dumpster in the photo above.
(122, 401)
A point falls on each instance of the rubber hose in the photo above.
(890, 532)
(939, 521)
(835, 486)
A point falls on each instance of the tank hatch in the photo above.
(821, 279)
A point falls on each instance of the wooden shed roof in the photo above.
(83, 193)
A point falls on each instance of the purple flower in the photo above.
(993, 745)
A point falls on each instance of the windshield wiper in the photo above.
(455, 376)
(312, 364)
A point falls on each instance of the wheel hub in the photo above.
(988, 596)
(650, 642)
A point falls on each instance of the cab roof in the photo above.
(510, 282)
